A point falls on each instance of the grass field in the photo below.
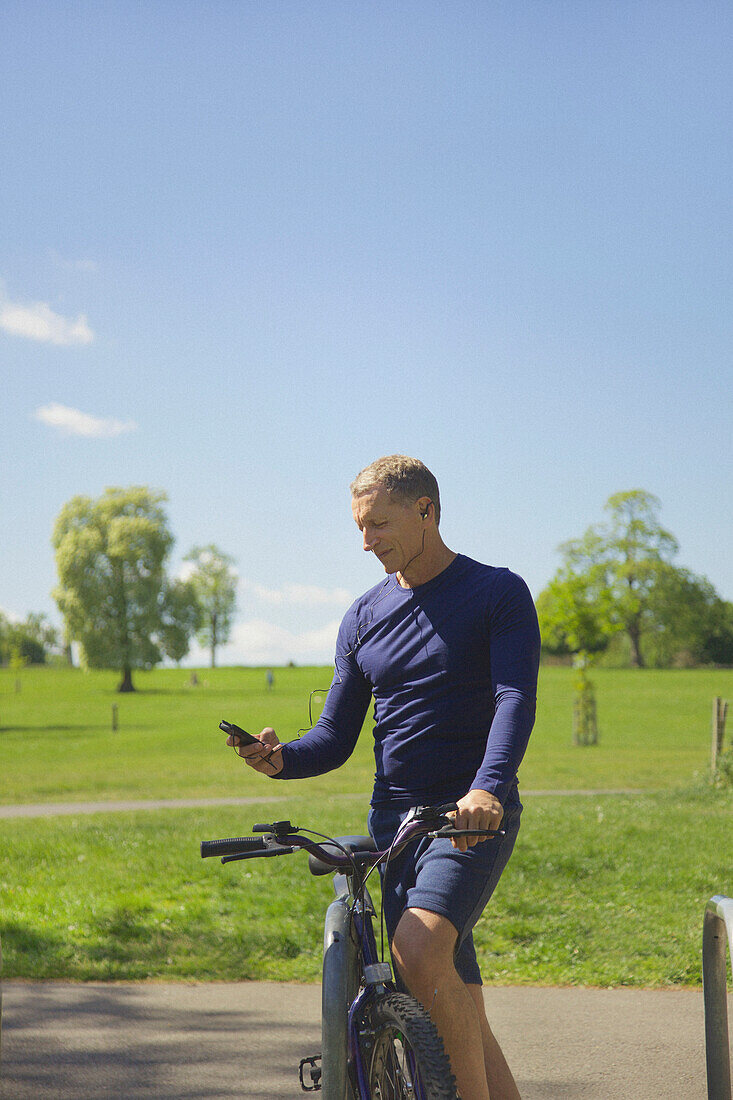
(602, 890)
(56, 742)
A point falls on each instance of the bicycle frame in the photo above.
(353, 975)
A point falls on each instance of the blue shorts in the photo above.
(434, 875)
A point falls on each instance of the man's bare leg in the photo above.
(423, 949)
(502, 1085)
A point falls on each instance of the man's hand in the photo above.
(265, 757)
(476, 810)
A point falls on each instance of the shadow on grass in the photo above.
(134, 945)
(186, 691)
(99, 727)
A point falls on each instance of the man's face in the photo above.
(393, 530)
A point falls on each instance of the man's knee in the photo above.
(422, 947)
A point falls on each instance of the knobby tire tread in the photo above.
(390, 1017)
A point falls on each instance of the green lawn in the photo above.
(602, 890)
(56, 742)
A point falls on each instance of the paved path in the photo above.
(53, 809)
(177, 1041)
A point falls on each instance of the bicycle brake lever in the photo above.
(258, 855)
(449, 831)
(432, 813)
(279, 828)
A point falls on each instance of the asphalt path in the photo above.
(65, 809)
(179, 1041)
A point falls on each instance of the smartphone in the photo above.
(234, 731)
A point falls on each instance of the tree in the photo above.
(180, 619)
(113, 591)
(574, 611)
(619, 578)
(636, 549)
(692, 624)
(32, 640)
(215, 583)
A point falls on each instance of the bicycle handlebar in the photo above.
(422, 821)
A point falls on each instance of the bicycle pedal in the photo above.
(315, 1073)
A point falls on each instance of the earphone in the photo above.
(384, 590)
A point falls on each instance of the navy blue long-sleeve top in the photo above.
(452, 666)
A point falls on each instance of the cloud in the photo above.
(257, 642)
(37, 321)
(300, 635)
(187, 568)
(73, 422)
(302, 595)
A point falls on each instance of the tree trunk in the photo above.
(637, 659)
(214, 639)
(126, 683)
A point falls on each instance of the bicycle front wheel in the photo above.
(403, 1054)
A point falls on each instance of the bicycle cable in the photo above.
(384, 879)
(385, 587)
(337, 844)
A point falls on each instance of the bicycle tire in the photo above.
(403, 1054)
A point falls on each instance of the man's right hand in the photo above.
(265, 757)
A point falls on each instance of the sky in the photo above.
(247, 247)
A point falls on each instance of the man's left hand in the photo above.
(476, 810)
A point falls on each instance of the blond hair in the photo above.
(403, 477)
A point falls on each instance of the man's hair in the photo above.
(405, 478)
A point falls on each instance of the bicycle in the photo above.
(377, 1043)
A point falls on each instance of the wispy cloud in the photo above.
(188, 568)
(303, 595)
(257, 642)
(37, 321)
(73, 422)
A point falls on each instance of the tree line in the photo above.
(618, 586)
(30, 642)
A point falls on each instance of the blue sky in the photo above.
(247, 247)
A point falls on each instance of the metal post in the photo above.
(717, 927)
(720, 710)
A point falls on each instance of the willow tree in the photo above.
(113, 591)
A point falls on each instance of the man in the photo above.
(449, 648)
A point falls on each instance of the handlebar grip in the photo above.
(232, 846)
